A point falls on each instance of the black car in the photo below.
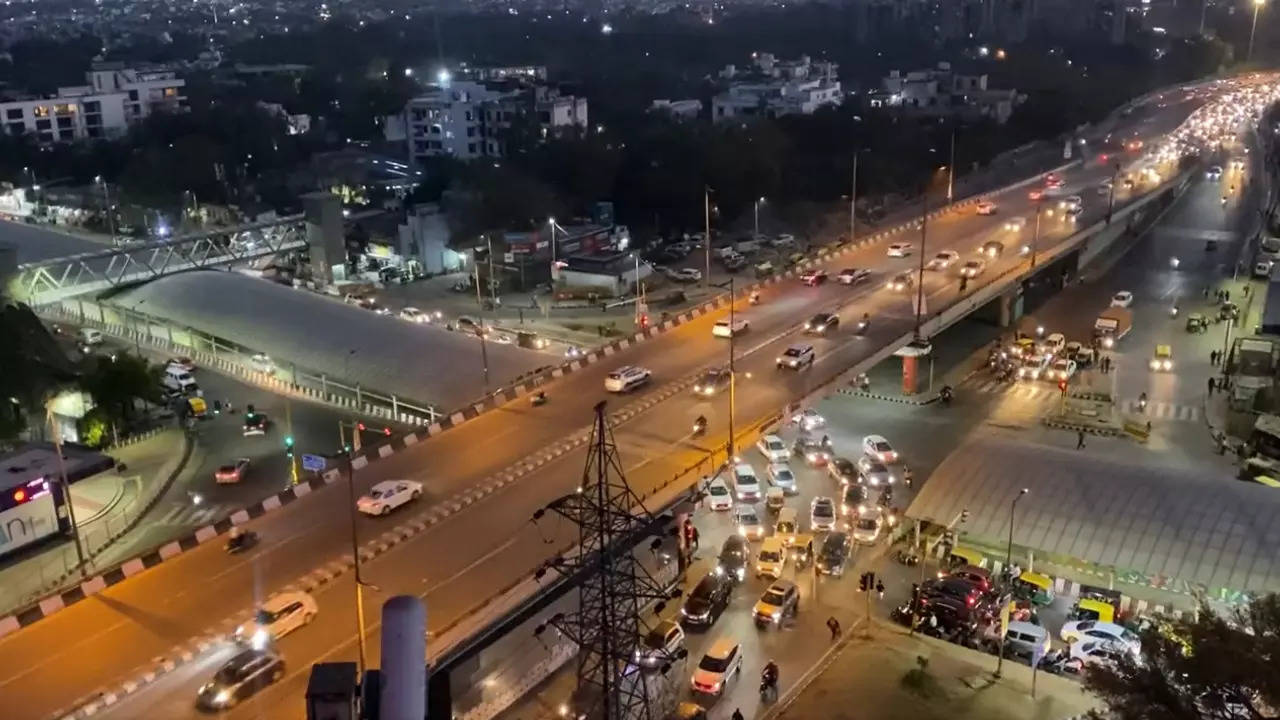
(949, 614)
(705, 603)
(812, 450)
(255, 423)
(956, 588)
(843, 470)
(853, 496)
(242, 676)
(821, 323)
(735, 556)
(834, 554)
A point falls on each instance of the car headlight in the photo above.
(742, 531)
(1155, 365)
(776, 614)
(260, 638)
(1168, 365)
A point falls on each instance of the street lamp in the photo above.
(1008, 563)
(1035, 234)
(1257, 5)
(951, 168)
(1111, 196)
(756, 236)
(733, 377)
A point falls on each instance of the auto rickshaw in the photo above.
(1023, 347)
(960, 556)
(764, 269)
(1196, 323)
(1228, 311)
(1032, 586)
(689, 711)
(801, 550)
(1092, 609)
(774, 499)
(1162, 359)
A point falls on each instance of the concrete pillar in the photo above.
(910, 374)
(1009, 307)
(403, 692)
(323, 213)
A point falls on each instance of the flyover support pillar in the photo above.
(1009, 306)
(910, 374)
(323, 212)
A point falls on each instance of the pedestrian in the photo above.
(1226, 296)
(694, 536)
(834, 626)
(1246, 291)
(1206, 291)
(1210, 387)
(1079, 439)
(1148, 428)
(1213, 358)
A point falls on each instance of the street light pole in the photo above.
(1257, 5)
(552, 223)
(951, 167)
(1111, 196)
(756, 235)
(66, 487)
(1035, 235)
(1008, 563)
(853, 200)
(355, 548)
(706, 239)
(924, 227)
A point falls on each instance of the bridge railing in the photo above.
(233, 359)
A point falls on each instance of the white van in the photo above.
(177, 378)
(90, 336)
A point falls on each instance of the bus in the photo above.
(31, 510)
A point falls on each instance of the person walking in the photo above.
(834, 626)
(1079, 439)
(1210, 387)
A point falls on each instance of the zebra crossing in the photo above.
(187, 514)
(1042, 394)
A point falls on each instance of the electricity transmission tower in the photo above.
(613, 588)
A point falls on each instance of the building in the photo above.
(940, 92)
(682, 109)
(772, 88)
(468, 119)
(114, 98)
(424, 237)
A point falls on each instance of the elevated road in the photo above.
(471, 549)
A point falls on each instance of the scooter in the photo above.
(909, 559)
(862, 327)
(1173, 311)
(699, 427)
(238, 543)
(754, 298)
(539, 398)
(945, 395)
(768, 690)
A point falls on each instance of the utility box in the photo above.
(332, 691)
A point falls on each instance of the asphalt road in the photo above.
(205, 590)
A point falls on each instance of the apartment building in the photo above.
(114, 98)
(467, 119)
(772, 88)
(941, 92)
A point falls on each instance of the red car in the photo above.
(814, 277)
(232, 472)
(1036, 194)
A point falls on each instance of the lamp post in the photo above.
(756, 235)
(65, 486)
(853, 199)
(551, 222)
(951, 168)
(1111, 196)
(1035, 234)
(1008, 563)
(1257, 5)
(106, 203)
(137, 330)
(733, 377)
(706, 239)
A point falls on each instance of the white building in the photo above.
(941, 92)
(465, 119)
(683, 109)
(424, 236)
(114, 98)
(773, 88)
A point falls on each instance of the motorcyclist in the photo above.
(700, 425)
(737, 715)
(770, 675)
(1142, 400)
(754, 298)
(866, 319)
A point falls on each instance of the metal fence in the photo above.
(237, 360)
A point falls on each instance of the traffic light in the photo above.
(288, 445)
(867, 581)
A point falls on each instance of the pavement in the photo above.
(145, 618)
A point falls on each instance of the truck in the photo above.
(1111, 325)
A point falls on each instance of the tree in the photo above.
(116, 383)
(32, 368)
(1213, 667)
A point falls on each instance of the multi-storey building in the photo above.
(940, 92)
(114, 98)
(772, 88)
(467, 119)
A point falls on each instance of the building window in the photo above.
(93, 120)
(469, 116)
(46, 137)
(171, 92)
(17, 128)
(471, 131)
(133, 95)
(65, 109)
(44, 124)
(64, 122)
(40, 111)
(66, 134)
(93, 106)
(544, 117)
(94, 131)
(13, 114)
(471, 148)
(420, 146)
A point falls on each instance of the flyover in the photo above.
(489, 473)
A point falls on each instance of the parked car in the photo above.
(662, 644)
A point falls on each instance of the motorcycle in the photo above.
(910, 559)
(699, 427)
(1174, 262)
(945, 395)
(768, 691)
(1173, 311)
(539, 398)
(862, 327)
(754, 298)
(239, 542)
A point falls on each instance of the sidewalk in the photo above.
(880, 680)
(106, 507)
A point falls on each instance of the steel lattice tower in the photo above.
(611, 520)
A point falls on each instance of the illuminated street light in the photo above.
(1257, 5)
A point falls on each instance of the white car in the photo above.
(1122, 637)
(745, 483)
(809, 419)
(185, 364)
(879, 448)
(874, 473)
(1214, 173)
(389, 495)
(796, 357)
(661, 644)
(725, 328)
(280, 615)
(1053, 344)
(943, 260)
(687, 275)
(973, 268)
(1062, 369)
(781, 476)
(899, 249)
(1095, 652)
(722, 662)
(783, 240)
(866, 528)
(261, 362)
(626, 378)
(1071, 202)
(414, 315)
(718, 495)
(1016, 224)
(822, 514)
(773, 449)
(986, 207)
(748, 522)
(1123, 299)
